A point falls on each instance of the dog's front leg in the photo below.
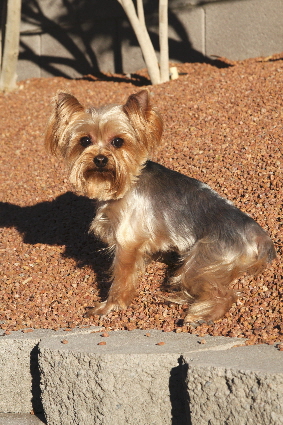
(127, 262)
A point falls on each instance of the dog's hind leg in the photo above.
(209, 268)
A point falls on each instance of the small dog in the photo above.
(146, 208)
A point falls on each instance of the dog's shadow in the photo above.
(64, 221)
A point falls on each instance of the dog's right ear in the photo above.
(66, 108)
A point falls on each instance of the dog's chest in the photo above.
(111, 221)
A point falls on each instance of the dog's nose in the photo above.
(100, 160)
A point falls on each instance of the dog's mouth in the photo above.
(98, 171)
(98, 183)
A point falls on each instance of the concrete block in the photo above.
(73, 40)
(186, 33)
(19, 419)
(132, 379)
(28, 65)
(185, 37)
(83, 38)
(244, 29)
(240, 386)
(62, 56)
(73, 54)
(19, 373)
(138, 377)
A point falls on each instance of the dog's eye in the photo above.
(117, 142)
(85, 141)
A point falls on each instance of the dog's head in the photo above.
(105, 148)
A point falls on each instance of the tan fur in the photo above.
(145, 208)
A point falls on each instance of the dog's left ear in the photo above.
(138, 103)
(144, 118)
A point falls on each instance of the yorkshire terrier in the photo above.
(145, 208)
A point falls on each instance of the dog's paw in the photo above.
(195, 322)
(100, 309)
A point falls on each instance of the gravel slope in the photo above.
(223, 125)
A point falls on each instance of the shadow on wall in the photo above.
(37, 406)
(180, 402)
(84, 31)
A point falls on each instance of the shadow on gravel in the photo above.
(63, 221)
(134, 79)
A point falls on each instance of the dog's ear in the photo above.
(144, 118)
(66, 108)
(138, 103)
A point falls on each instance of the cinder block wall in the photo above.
(76, 38)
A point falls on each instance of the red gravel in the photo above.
(222, 126)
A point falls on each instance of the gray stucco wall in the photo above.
(73, 38)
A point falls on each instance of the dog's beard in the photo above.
(99, 184)
(111, 182)
(93, 182)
